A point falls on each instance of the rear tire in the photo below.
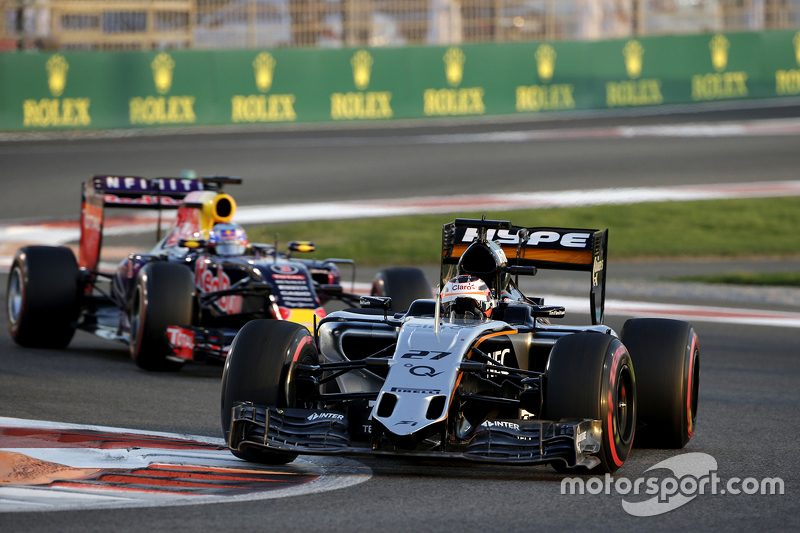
(163, 297)
(260, 369)
(403, 285)
(666, 356)
(590, 375)
(42, 296)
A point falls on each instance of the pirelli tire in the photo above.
(260, 368)
(590, 375)
(164, 296)
(666, 355)
(403, 285)
(43, 296)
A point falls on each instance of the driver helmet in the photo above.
(467, 296)
(228, 239)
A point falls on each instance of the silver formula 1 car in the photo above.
(478, 374)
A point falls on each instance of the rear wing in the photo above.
(125, 192)
(583, 250)
(129, 191)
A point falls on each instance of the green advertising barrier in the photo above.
(67, 90)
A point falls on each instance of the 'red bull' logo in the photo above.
(206, 280)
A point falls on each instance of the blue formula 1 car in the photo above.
(188, 297)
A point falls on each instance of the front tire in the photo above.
(260, 368)
(163, 297)
(590, 375)
(666, 355)
(403, 285)
(42, 296)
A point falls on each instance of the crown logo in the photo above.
(57, 68)
(719, 52)
(796, 42)
(454, 65)
(633, 53)
(162, 72)
(545, 62)
(362, 69)
(264, 66)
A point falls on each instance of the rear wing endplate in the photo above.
(583, 250)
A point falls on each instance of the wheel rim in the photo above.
(624, 405)
(14, 297)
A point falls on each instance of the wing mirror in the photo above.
(548, 311)
(516, 270)
(331, 289)
(376, 302)
(301, 246)
(193, 243)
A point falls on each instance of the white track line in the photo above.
(690, 313)
(65, 231)
(744, 128)
(335, 473)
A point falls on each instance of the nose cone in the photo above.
(412, 405)
(415, 418)
(407, 410)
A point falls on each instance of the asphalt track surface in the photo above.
(297, 166)
(749, 397)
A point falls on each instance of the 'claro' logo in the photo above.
(56, 111)
(162, 109)
(635, 91)
(454, 101)
(263, 107)
(361, 104)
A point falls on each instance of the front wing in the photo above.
(318, 432)
(199, 344)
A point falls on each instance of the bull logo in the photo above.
(362, 69)
(633, 53)
(57, 68)
(454, 65)
(545, 62)
(163, 66)
(719, 46)
(264, 66)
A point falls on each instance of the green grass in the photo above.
(713, 228)
(788, 279)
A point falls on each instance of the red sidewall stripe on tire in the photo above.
(689, 424)
(612, 405)
(142, 318)
(306, 340)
